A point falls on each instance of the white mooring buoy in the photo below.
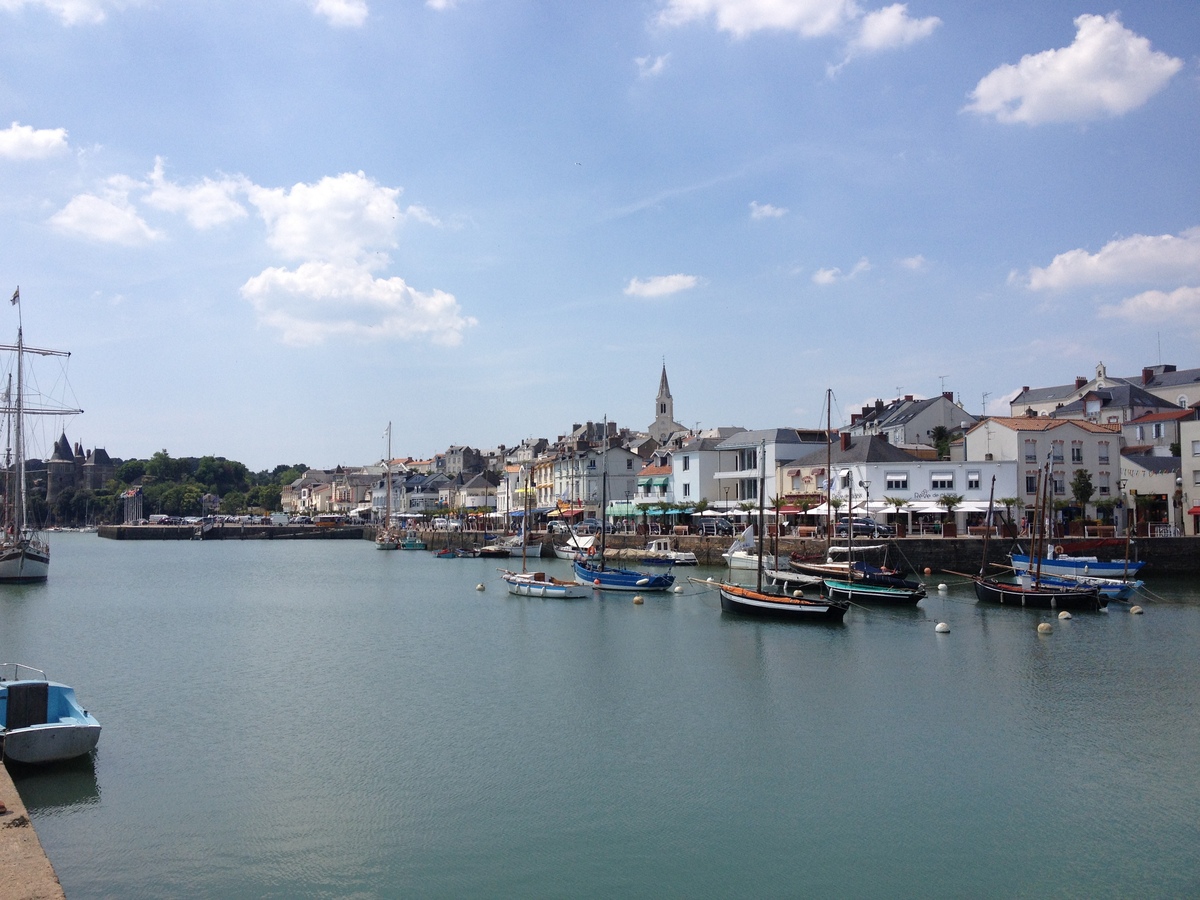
(942, 628)
(942, 588)
(1136, 610)
(679, 588)
(480, 587)
(1045, 628)
(639, 599)
(1064, 615)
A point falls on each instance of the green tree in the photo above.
(233, 503)
(130, 471)
(1081, 488)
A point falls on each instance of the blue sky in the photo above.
(266, 229)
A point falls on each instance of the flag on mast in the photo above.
(16, 297)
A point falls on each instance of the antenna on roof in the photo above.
(943, 378)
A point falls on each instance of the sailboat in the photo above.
(24, 551)
(386, 538)
(1032, 589)
(590, 569)
(755, 601)
(877, 587)
(539, 584)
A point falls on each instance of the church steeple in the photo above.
(665, 406)
(664, 424)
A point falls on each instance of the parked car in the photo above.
(719, 526)
(863, 525)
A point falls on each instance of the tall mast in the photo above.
(387, 466)
(828, 464)
(762, 489)
(19, 435)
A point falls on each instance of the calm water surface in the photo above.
(320, 719)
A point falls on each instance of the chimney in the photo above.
(845, 440)
(1025, 389)
(854, 417)
(908, 397)
(1147, 376)
(878, 406)
(1080, 381)
(949, 395)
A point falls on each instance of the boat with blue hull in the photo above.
(606, 578)
(1064, 566)
(40, 720)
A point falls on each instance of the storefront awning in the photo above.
(1194, 511)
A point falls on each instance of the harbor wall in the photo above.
(230, 532)
(25, 870)
(1171, 557)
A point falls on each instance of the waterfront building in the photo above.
(910, 423)
(737, 472)
(1156, 433)
(1189, 458)
(695, 464)
(1069, 445)
(1153, 496)
(1110, 400)
(664, 425)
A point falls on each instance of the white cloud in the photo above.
(1178, 306)
(71, 12)
(660, 285)
(891, 27)
(341, 13)
(342, 217)
(318, 301)
(808, 18)
(107, 216)
(25, 142)
(441, 4)
(834, 275)
(766, 211)
(206, 205)
(916, 263)
(648, 66)
(1140, 258)
(1107, 71)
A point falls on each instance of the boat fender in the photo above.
(1058, 549)
(591, 551)
(596, 582)
(642, 582)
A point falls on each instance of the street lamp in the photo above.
(866, 486)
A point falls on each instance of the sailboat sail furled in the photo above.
(24, 551)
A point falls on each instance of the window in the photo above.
(973, 481)
(1141, 432)
(942, 481)
(1031, 451)
(898, 481)
(1060, 486)
(1031, 483)
(1103, 447)
(1196, 477)
(1057, 451)
(686, 463)
(1182, 400)
(1102, 486)
(1076, 452)
(1195, 448)
(748, 459)
(687, 489)
(1158, 429)
(629, 464)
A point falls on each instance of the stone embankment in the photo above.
(230, 532)
(25, 870)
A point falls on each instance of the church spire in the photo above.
(664, 389)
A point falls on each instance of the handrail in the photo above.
(16, 670)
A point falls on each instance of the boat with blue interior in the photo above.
(40, 720)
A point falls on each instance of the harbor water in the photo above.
(321, 719)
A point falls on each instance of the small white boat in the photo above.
(539, 584)
(745, 559)
(659, 552)
(576, 543)
(40, 720)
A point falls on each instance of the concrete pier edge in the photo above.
(25, 870)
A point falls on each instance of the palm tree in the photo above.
(950, 501)
(899, 503)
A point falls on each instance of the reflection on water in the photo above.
(59, 788)
(326, 720)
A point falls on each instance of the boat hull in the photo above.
(740, 559)
(41, 744)
(1077, 566)
(749, 602)
(21, 563)
(873, 594)
(538, 584)
(1043, 597)
(609, 579)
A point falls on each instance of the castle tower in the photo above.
(664, 424)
